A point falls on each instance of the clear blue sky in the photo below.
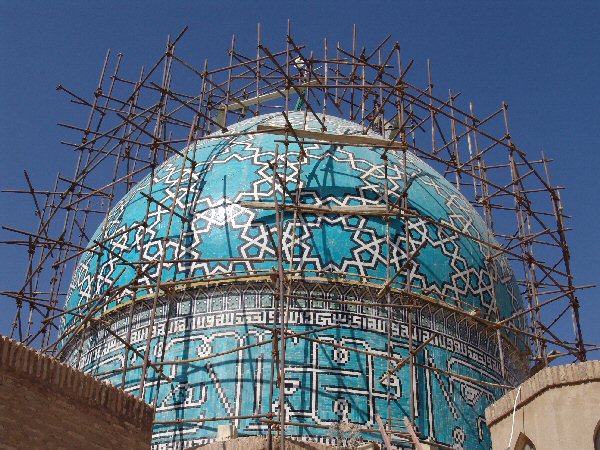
(539, 57)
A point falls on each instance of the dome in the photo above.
(216, 227)
(207, 327)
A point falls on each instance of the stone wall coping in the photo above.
(548, 378)
(48, 372)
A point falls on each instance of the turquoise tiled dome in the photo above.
(341, 257)
(232, 170)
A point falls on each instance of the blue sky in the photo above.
(539, 57)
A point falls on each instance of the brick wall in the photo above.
(46, 404)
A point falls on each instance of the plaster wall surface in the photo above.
(48, 405)
(558, 408)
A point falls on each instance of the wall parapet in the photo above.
(73, 384)
(546, 379)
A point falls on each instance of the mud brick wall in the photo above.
(46, 404)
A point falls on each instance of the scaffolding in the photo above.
(133, 125)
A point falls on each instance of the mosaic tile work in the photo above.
(230, 170)
(323, 384)
(236, 169)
